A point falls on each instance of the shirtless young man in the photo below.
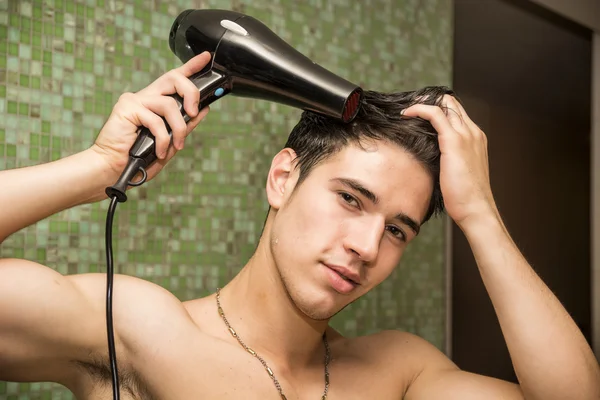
(350, 207)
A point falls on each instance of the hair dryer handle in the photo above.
(210, 85)
(142, 154)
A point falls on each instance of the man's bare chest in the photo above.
(205, 368)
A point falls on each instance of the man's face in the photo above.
(344, 229)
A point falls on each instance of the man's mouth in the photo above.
(345, 273)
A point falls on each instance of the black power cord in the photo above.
(109, 291)
(112, 354)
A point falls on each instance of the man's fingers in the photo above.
(177, 81)
(195, 64)
(193, 123)
(434, 115)
(168, 107)
(145, 117)
(454, 114)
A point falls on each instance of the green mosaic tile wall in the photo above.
(63, 65)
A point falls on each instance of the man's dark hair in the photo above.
(316, 138)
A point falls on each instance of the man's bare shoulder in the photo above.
(388, 342)
(138, 304)
(394, 350)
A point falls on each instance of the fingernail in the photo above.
(179, 144)
(196, 107)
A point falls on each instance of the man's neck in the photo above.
(260, 311)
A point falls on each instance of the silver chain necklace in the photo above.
(264, 363)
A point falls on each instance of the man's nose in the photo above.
(364, 238)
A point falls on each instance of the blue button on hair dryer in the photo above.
(248, 60)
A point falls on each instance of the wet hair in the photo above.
(316, 138)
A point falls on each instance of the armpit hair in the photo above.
(98, 368)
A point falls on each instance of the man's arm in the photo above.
(31, 194)
(551, 357)
(47, 321)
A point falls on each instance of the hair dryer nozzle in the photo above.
(352, 105)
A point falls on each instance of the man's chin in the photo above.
(322, 311)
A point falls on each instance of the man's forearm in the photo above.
(550, 355)
(30, 194)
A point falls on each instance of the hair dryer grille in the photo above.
(351, 106)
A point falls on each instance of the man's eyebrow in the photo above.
(411, 223)
(359, 187)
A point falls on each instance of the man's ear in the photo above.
(282, 177)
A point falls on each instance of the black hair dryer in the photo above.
(247, 60)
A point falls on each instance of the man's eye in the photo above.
(349, 199)
(397, 232)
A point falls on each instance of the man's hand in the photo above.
(145, 108)
(464, 170)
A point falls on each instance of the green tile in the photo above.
(25, 52)
(45, 141)
(13, 20)
(36, 54)
(59, 31)
(48, 29)
(25, 37)
(12, 107)
(59, 18)
(13, 49)
(23, 109)
(47, 70)
(35, 82)
(24, 80)
(89, 107)
(68, 103)
(37, 11)
(68, 47)
(11, 150)
(34, 153)
(2, 139)
(36, 40)
(25, 23)
(46, 127)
